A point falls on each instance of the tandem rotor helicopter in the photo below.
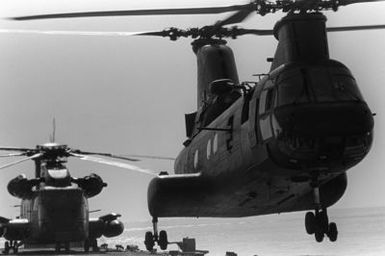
(54, 205)
(281, 144)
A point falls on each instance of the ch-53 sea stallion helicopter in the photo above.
(281, 144)
(54, 205)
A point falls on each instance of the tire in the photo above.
(57, 247)
(149, 241)
(87, 245)
(323, 221)
(310, 223)
(163, 242)
(332, 232)
(6, 247)
(67, 247)
(319, 236)
(94, 244)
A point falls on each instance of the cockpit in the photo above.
(314, 114)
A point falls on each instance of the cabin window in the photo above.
(291, 89)
(196, 159)
(269, 100)
(266, 101)
(229, 141)
(208, 149)
(346, 88)
(262, 102)
(265, 127)
(215, 143)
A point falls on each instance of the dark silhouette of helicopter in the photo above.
(54, 206)
(281, 144)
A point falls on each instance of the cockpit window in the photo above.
(346, 88)
(291, 90)
(266, 101)
(269, 99)
(317, 84)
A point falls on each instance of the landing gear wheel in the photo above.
(6, 247)
(310, 223)
(67, 247)
(318, 223)
(149, 241)
(86, 245)
(319, 236)
(57, 247)
(332, 232)
(163, 242)
(323, 221)
(94, 244)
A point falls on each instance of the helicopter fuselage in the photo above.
(54, 208)
(54, 215)
(261, 153)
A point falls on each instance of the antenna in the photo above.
(52, 136)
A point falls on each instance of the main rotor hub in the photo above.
(263, 7)
(51, 146)
(53, 150)
(199, 43)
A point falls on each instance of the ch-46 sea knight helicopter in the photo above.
(281, 144)
(54, 204)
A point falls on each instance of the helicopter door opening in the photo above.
(265, 108)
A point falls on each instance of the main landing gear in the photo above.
(152, 238)
(59, 246)
(93, 243)
(317, 223)
(11, 245)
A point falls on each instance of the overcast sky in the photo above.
(129, 94)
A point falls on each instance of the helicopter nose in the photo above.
(329, 136)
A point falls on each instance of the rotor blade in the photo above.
(76, 33)
(113, 163)
(347, 2)
(354, 28)
(258, 32)
(163, 33)
(77, 151)
(21, 160)
(16, 149)
(14, 154)
(153, 157)
(175, 11)
(238, 17)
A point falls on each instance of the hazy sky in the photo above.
(129, 94)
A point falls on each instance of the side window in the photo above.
(266, 104)
(215, 143)
(196, 159)
(262, 102)
(229, 141)
(266, 101)
(269, 100)
(208, 149)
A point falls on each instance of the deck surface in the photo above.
(79, 253)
